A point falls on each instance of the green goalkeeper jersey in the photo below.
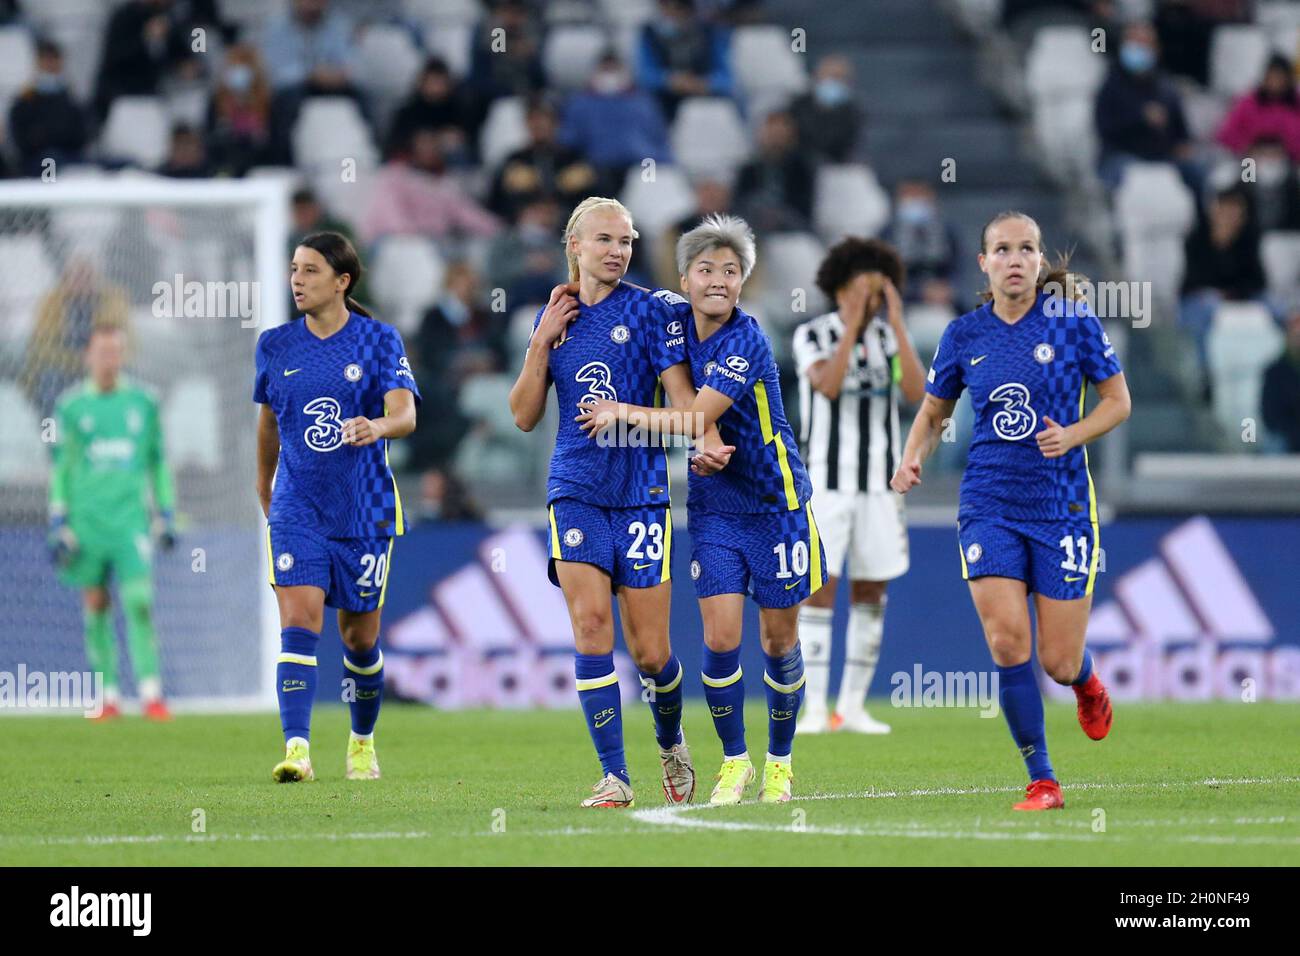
(108, 457)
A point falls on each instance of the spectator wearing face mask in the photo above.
(926, 243)
(829, 117)
(680, 55)
(1270, 111)
(1139, 113)
(614, 125)
(45, 120)
(239, 122)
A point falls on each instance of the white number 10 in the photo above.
(798, 560)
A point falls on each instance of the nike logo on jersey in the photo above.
(794, 584)
(1070, 579)
(641, 567)
(368, 594)
(976, 361)
(291, 371)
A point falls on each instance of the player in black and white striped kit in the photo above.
(853, 363)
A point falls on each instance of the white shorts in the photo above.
(869, 527)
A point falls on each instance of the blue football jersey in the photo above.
(1018, 374)
(765, 472)
(313, 385)
(613, 350)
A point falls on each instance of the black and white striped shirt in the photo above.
(852, 443)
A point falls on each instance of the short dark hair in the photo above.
(853, 256)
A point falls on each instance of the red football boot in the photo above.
(107, 712)
(1094, 708)
(156, 709)
(1042, 795)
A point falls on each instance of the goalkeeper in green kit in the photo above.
(108, 456)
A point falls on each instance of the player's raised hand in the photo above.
(857, 295)
(907, 477)
(596, 416)
(561, 309)
(360, 431)
(1054, 440)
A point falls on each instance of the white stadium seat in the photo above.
(628, 12)
(192, 424)
(848, 201)
(454, 42)
(1238, 52)
(1243, 340)
(570, 53)
(1158, 259)
(1066, 136)
(504, 130)
(406, 276)
(657, 205)
(788, 261)
(1280, 252)
(23, 456)
(390, 61)
(708, 137)
(25, 256)
(17, 61)
(444, 11)
(1061, 62)
(1152, 198)
(137, 130)
(329, 130)
(763, 60)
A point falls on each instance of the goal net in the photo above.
(194, 270)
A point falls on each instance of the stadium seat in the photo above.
(137, 130)
(23, 456)
(708, 136)
(454, 42)
(1280, 252)
(1066, 137)
(389, 61)
(1152, 198)
(503, 132)
(405, 277)
(1158, 259)
(926, 323)
(1238, 52)
(570, 53)
(17, 61)
(848, 201)
(763, 60)
(1061, 63)
(628, 12)
(346, 200)
(25, 256)
(1203, 110)
(1277, 16)
(1243, 340)
(456, 12)
(788, 262)
(191, 419)
(330, 129)
(980, 17)
(657, 205)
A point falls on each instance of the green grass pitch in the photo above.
(1174, 784)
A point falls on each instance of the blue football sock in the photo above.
(295, 680)
(724, 689)
(599, 694)
(664, 693)
(1085, 671)
(1022, 705)
(365, 669)
(784, 678)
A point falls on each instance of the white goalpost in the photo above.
(195, 270)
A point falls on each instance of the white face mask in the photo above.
(1270, 172)
(609, 81)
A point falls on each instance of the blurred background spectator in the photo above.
(443, 105)
(46, 122)
(925, 242)
(681, 55)
(541, 170)
(829, 116)
(1280, 398)
(775, 191)
(240, 117)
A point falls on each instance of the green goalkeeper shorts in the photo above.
(124, 556)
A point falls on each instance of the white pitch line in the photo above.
(676, 816)
(118, 839)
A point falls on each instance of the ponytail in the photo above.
(354, 306)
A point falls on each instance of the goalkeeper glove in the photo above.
(61, 541)
(166, 530)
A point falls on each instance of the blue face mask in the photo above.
(49, 83)
(914, 211)
(239, 77)
(830, 92)
(1137, 57)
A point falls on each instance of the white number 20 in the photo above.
(798, 560)
(376, 569)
